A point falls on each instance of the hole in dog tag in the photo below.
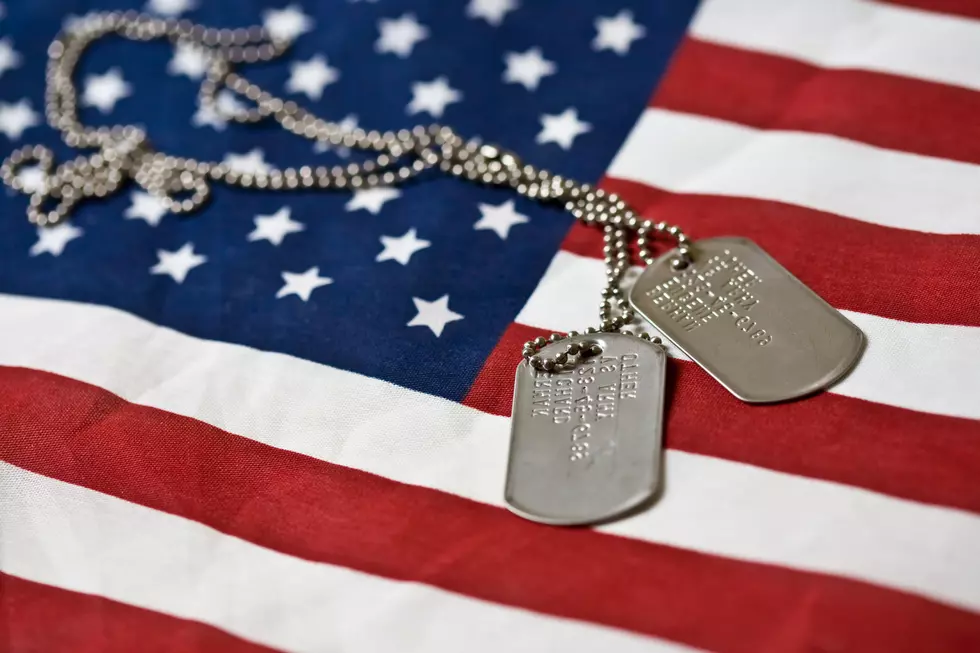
(585, 442)
(746, 320)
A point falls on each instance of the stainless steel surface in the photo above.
(745, 319)
(586, 441)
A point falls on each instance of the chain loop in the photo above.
(183, 185)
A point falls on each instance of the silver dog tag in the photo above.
(746, 320)
(585, 443)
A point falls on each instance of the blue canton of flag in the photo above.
(412, 284)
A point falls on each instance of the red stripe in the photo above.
(36, 617)
(315, 510)
(773, 92)
(854, 265)
(928, 458)
(965, 8)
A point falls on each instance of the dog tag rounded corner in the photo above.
(748, 321)
(586, 442)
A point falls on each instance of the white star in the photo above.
(617, 33)
(275, 227)
(302, 284)
(311, 76)
(252, 162)
(435, 315)
(562, 129)
(527, 68)
(491, 11)
(372, 199)
(227, 104)
(103, 91)
(143, 206)
(170, 7)
(178, 264)
(9, 58)
(53, 239)
(32, 179)
(499, 218)
(432, 96)
(400, 35)
(347, 125)
(189, 60)
(15, 118)
(286, 24)
(401, 248)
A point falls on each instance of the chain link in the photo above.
(124, 154)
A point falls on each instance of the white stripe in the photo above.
(711, 505)
(71, 537)
(926, 367)
(694, 154)
(849, 34)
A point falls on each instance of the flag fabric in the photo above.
(282, 423)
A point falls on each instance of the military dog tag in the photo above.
(745, 319)
(586, 442)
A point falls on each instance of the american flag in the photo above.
(282, 424)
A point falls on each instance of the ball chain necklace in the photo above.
(588, 407)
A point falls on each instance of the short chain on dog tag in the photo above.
(586, 441)
(746, 320)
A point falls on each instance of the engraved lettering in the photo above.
(607, 364)
(629, 377)
(579, 450)
(551, 397)
(606, 402)
(720, 287)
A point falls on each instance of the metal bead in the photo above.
(540, 341)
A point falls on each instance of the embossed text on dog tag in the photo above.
(745, 319)
(586, 442)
